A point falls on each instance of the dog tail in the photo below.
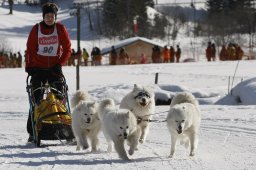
(184, 97)
(78, 97)
(106, 103)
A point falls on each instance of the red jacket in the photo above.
(64, 50)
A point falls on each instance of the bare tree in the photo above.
(88, 12)
(10, 6)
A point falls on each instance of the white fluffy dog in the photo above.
(85, 121)
(141, 101)
(118, 125)
(183, 121)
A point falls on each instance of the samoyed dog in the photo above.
(183, 121)
(117, 126)
(141, 101)
(85, 121)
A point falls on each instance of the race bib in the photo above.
(48, 44)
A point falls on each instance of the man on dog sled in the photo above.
(48, 49)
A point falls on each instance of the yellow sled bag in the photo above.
(51, 111)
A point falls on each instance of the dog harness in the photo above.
(139, 120)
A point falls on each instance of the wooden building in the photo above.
(134, 47)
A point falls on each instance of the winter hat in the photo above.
(50, 8)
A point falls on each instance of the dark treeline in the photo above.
(220, 22)
(119, 16)
(227, 17)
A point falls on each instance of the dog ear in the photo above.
(135, 87)
(91, 104)
(170, 112)
(172, 109)
(127, 114)
(79, 108)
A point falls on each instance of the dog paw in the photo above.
(192, 154)
(129, 160)
(125, 158)
(109, 149)
(85, 147)
(77, 148)
(170, 156)
(141, 140)
(131, 152)
(94, 151)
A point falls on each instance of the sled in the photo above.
(50, 118)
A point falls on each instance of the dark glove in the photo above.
(30, 71)
(57, 69)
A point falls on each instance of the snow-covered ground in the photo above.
(227, 134)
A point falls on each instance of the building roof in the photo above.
(127, 42)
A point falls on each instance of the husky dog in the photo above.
(117, 126)
(183, 121)
(141, 101)
(85, 121)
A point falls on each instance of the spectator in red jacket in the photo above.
(48, 49)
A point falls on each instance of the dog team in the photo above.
(129, 123)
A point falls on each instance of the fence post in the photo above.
(156, 78)
(228, 83)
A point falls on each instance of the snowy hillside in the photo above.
(15, 28)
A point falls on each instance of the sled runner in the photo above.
(50, 117)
